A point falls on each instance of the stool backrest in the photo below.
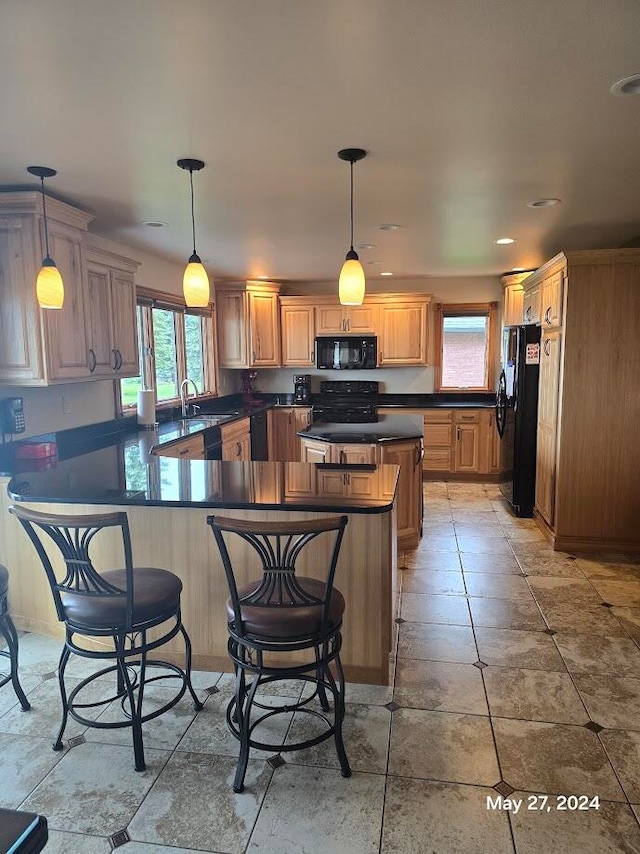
(278, 545)
(73, 536)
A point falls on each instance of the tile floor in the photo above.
(517, 674)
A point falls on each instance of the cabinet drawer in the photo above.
(192, 448)
(438, 416)
(437, 435)
(235, 430)
(467, 416)
(437, 459)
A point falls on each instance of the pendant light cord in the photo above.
(44, 212)
(193, 218)
(351, 162)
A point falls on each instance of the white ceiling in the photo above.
(469, 109)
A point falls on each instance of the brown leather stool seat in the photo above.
(155, 592)
(288, 621)
(4, 580)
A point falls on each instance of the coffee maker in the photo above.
(302, 389)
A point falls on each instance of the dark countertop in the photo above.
(388, 428)
(118, 469)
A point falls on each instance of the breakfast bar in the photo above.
(167, 501)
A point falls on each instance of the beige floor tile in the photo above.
(485, 545)
(438, 561)
(513, 648)
(425, 608)
(587, 619)
(528, 535)
(608, 570)
(626, 594)
(525, 549)
(442, 746)
(612, 701)
(95, 788)
(605, 655)
(533, 695)
(490, 528)
(556, 591)
(437, 529)
(337, 815)
(554, 758)
(421, 581)
(366, 739)
(193, 804)
(548, 564)
(437, 543)
(623, 749)
(497, 586)
(611, 829)
(498, 564)
(24, 762)
(506, 614)
(469, 502)
(629, 618)
(441, 817)
(472, 516)
(61, 842)
(435, 642)
(440, 686)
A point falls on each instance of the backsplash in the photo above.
(392, 380)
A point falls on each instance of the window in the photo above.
(465, 346)
(174, 343)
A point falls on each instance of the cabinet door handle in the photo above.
(547, 347)
(313, 358)
(184, 451)
(458, 434)
(92, 360)
(115, 360)
(348, 322)
(343, 457)
(254, 355)
(119, 354)
(238, 449)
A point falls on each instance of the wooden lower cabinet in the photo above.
(315, 452)
(356, 454)
(236, 440)
(284, 423)
(407, 455)
(191, 448)
(462, 441)
(467, 448)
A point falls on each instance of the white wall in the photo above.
(392, 380)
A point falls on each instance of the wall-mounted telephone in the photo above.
(12, 415)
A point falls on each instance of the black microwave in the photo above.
(347, 353)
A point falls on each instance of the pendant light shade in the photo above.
(49, 284)
(351, 285)
(195, 282)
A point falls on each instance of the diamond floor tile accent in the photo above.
(119, 839)
(392, 706)
(504, 789)
(276, 761)
(480, 665)
(594, 727)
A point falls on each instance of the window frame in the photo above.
(465, 309)
(146, 301)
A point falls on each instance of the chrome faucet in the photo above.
(184, 394)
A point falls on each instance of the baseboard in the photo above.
(465, 477)
(591, 545)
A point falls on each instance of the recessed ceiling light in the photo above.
(502, 241)
(389, 226)
(627, 86)
(518, 269)
(386, 273)
(366, 245)
(264, 277)
(154, 223)
(543, 203)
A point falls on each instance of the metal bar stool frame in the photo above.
(73, 536)
(278, 546)
(8, 630)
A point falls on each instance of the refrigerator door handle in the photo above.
(501, 404)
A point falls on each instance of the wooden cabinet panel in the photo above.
(531, 303)
(329, 319)
(467, 451)
(512, 306)
(315, 452)
(437, 435)
(356, 454)
(409, 494)
(66, 330)
(187, 449)
(298, 335)
(467, 416)
(438, 459)
(438, 416)
(264, 329)
(231, 319)
(284, 424)
(552, 300)
(99, 312)
(333, 318)
(236, 440)
(123, 323)
(299, 481)
(362, 484)
(361, 319)
(548, 400)
(331, 482)
(403, 334)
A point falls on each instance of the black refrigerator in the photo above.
(517, 414)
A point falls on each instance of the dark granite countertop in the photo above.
(388, 428)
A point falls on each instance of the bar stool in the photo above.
(11, 636)
(120, 605)
(278, 613)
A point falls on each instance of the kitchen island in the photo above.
(168, 500)
(392, 439)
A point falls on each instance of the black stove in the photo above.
(346, 402)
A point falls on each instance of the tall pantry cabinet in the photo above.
(588, 455)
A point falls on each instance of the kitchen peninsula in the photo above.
(167, 500)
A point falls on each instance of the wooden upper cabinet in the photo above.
(551, 304)
(248, 323)
(112, 329)
(42, 346)
(531, 302)
(336, 319)
(297, 323)
(403, 333)
(513, 298)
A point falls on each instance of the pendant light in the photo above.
(195, 282)
(351, 283)
(49, 284)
